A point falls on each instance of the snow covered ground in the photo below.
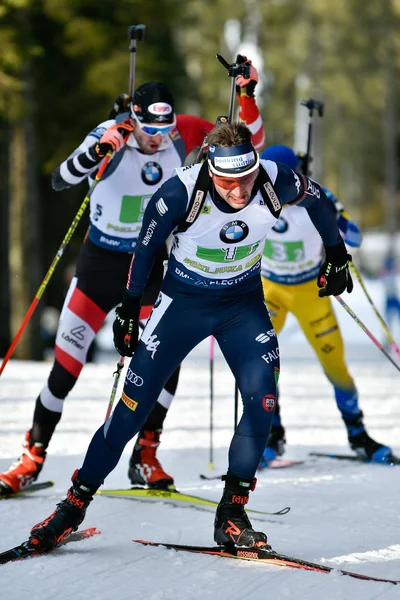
(343, 514)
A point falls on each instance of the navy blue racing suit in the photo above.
(189, 310)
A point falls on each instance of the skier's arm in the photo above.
(248, 109)
(303, 191)
(334, 276)
(193, 129)
(349, 229)
(165, 210)
(80, 163)
(86, 158)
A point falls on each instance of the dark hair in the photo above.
(229, 134)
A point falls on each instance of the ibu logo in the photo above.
(234, 232)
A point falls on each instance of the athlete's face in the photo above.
(149, 144)
(236, 191)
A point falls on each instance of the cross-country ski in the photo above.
(175, 498)
(29, 489)
(25, 550)
(390, 461)
(267, 558)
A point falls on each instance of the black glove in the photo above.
(121, 105)
(304, 163)
(126, 325)
(334, 275)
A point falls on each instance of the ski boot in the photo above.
(67, 517)
(232, 525)
(144, 467)
(275, 446)
(363, 444)
(25, 470)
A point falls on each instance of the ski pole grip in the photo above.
(135, 33)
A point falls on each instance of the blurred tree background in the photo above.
(64, 61)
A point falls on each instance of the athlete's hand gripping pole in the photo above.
(334, 275)
(135, 34)
(126, 325)
(241, 67)
(379, 316)
(56, 260)
(366, 330)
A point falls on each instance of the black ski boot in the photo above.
(363, 444)
(232, 525)
(67, 517)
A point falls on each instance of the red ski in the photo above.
(24, 550)
(270, 558)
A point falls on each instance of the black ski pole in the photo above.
(240, 67)
(135, 34)
(312, 105)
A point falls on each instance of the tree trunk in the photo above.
(5, 336)
(23, 229)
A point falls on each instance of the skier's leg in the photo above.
(144, 466)
(319, 324)
(250, 347)
(166, 340)
(97, 287)
(275, 296)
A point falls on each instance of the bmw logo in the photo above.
(151, 173)
(158, 301)
(234, 232)
(281, 225)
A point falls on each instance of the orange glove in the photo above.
(114, 138)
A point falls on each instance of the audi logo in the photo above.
(133, 378)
